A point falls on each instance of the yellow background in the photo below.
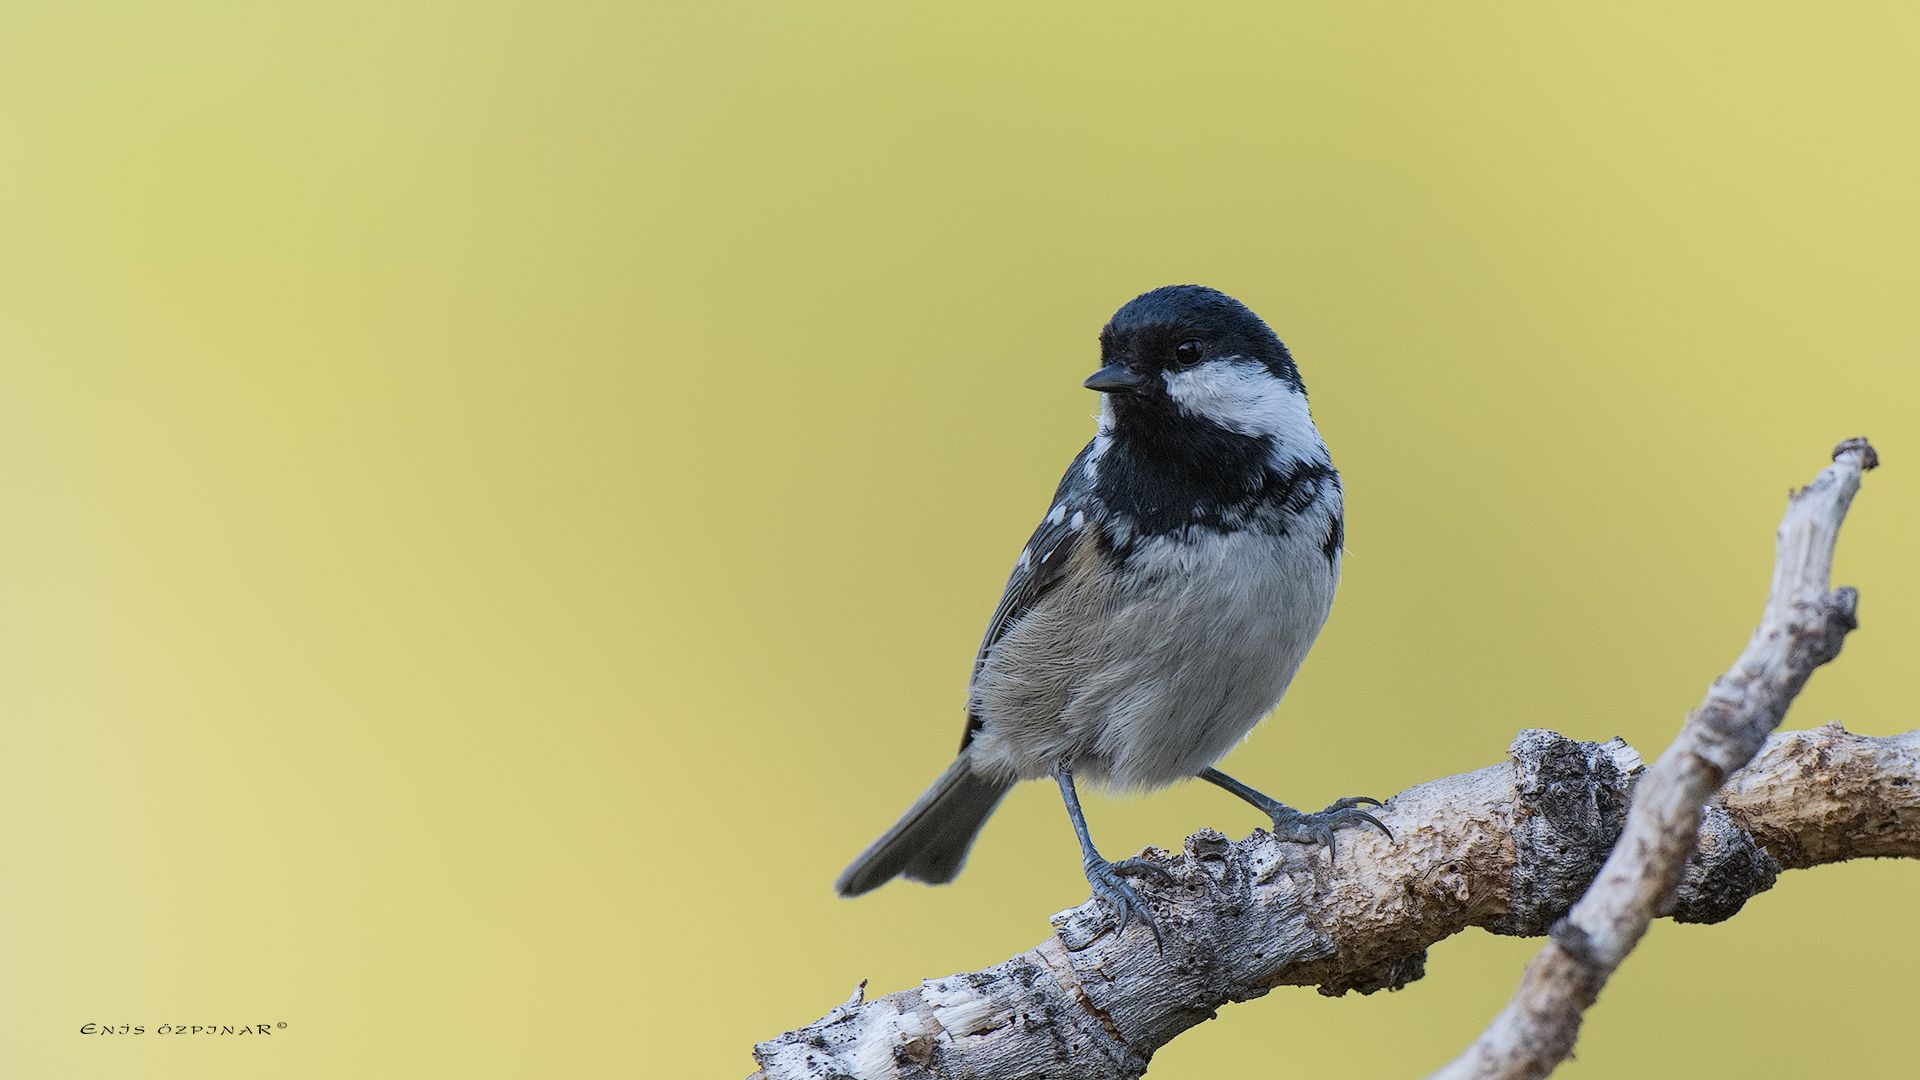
(500, 498)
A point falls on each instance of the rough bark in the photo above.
(1511, 848)
(1801, 628)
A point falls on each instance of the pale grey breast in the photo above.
(1149, 674)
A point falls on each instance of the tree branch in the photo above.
(1801, 628)
(1510, 848)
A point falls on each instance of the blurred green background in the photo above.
(502, 497)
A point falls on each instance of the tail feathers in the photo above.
(929, 843)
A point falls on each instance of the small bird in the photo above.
(1164, 603)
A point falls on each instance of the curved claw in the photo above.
(1146, 868)
(1109, 889)
(1348, 808)
(1299, 828)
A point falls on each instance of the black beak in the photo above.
(1115, 379)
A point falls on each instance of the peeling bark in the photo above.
(1801, 628)
(1489, 848)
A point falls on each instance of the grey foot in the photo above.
(1297, 828)
(1108, 880)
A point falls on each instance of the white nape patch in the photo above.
(1057, 515)
(1243, 396)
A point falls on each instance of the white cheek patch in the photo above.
(1244, 397)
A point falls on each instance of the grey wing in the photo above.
(1040, 565)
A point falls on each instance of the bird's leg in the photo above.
(1106, 877)
(1292, 825)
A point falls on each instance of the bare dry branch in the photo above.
(1510, 848)
(1801, 628)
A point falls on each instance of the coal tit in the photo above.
(1184, 568)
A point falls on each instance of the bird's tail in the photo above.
(929, 843)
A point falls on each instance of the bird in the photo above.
(1184, 567)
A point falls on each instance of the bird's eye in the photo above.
(1187, 353)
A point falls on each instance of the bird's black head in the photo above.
(1204, 416)
(1180, 327)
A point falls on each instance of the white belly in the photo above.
(1155, 675)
